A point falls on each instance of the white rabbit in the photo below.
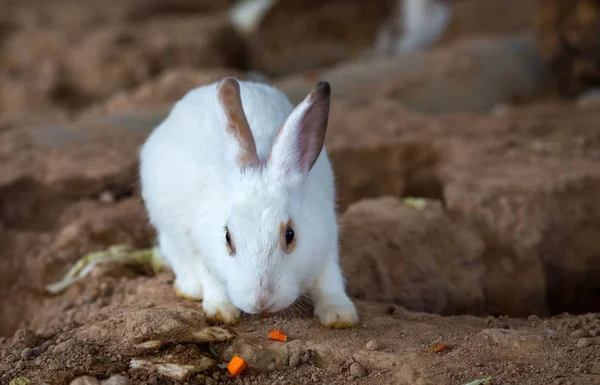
(241, 192)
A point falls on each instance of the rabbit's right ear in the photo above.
(240, 142)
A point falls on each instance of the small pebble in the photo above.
(26, 353)
(50, 349)
(209, 381)
(39, 361)
(90, 298)
(578, 333)
(216, 376)
(271, 367)
(294, 360)
(46, 345)
(372, 345)
(20, 364)
(307, 356)
(584, 342)
(53, 365)
(37, 351)
(314, 377)
(356, 370)
(11, 358)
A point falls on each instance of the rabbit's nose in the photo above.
(261, 303)
(264, 294)
(263, 300)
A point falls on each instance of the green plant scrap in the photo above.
(211, 350)
(416, 203)
(20, 381)
(121, 254)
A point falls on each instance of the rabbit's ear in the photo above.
(300, 140)
(240, 142)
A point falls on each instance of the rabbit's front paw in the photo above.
(188, 289)
(220, 310)
(337, 315)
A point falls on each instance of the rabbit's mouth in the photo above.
(272, 305)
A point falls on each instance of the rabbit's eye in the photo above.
(289, 235)
(230, 247)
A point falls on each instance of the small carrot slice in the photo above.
(277, 335)
(265, 314)
(236, 366)
(438, 348)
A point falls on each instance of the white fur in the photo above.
(192, 189)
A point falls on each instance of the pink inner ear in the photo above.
(300, 140)
(307, 146)
(297, 158)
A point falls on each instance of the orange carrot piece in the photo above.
(438, 348)
(277, 335)
(236, 366)
(265, 314)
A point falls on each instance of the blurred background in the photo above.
(485, 110)
(66, 57)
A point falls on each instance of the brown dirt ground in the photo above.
(501, 265)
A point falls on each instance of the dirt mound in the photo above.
(102, 333)
(122, 44)
(417, 257)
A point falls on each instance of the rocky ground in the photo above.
(499, 261)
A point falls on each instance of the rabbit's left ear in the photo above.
(300, 140)
(240, 142)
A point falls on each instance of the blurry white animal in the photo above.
(246, 14)
(416, 25)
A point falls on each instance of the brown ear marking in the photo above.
(228, 93)
(288, 249)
